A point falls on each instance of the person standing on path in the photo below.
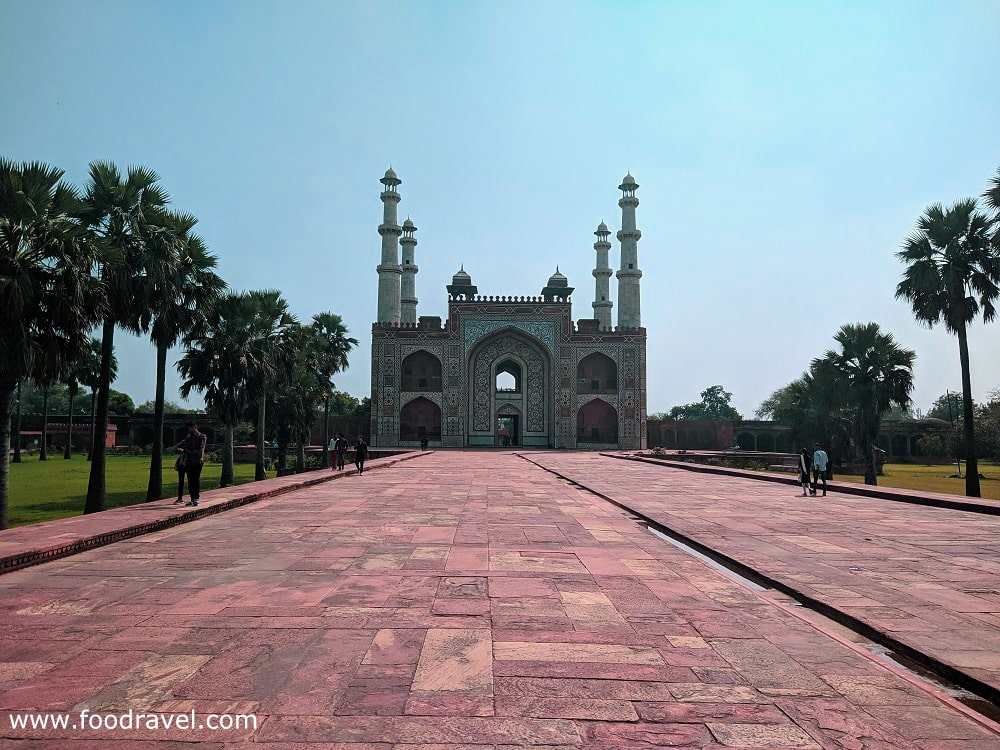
(340, 447)
(360, 454)
(805, 463)
(190, 462)
(819, 463)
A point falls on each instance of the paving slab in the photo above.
(929, 577)
(465, 600)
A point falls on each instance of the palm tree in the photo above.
(992, 196)
(952, 275)
(269, 331)
(869, 375)
(48, 298)
(88, 372)
(332, 345)
(122, 215)
(219, 361)
(296, 404)
(17, 426)
(73, 388)
(43, 452)
(177, 300)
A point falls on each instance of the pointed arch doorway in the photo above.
(508, 426)
(509, 379)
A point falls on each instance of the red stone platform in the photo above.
(463, 600)
(927, 576)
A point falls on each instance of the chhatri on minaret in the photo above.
(447, 382)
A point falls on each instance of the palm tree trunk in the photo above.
(43, 453)
(154, 490)
(68, 452)
(300, 452)
(971, 464)
(6, 391)
(259, 472)
(871, 468)
(326, 434)
(96, 488)
(282, 449)
(17, 427)
(93, 425)
(227, 456)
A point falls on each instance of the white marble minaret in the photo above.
(389, 271)
(629, 273)
(408, 285)
(602, 273)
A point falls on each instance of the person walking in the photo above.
(190, 462)
(805, 463)
(340, 448)
(819, 463)
(360, 454)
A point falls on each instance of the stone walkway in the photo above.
(928, 577)
(464, 600)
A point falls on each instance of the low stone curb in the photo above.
(931, 499)
(48, 550)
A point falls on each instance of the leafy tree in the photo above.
(714, 405)
(169, 407)
(869, 374)
(120, 404)
(332, 345)
(807, 405)
(952, 275)
(948, 406)
(930, 446)
(123, 215)
(176, 299)
(48, 299)
(343, 404)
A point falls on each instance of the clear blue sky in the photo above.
(784, 150)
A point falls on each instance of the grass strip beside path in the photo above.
(57, 488)
(932, 478)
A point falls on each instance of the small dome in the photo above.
(628, 184)
(408, 225)
(461, 278)
(602, 228)
(629, 179)
(557, 279)
(390, 174)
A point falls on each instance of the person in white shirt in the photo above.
(819, 464)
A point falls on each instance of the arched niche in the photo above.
(420, 418)
(421, 371)
(597, 422)
(597, 373)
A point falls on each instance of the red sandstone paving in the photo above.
(466, 600)
(929, 577)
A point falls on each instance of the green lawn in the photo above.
(44, 490)
(934, 478)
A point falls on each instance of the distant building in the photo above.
(504, 370)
